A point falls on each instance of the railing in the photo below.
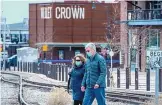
(144, 14)
(120, 78)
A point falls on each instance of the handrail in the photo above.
(144, 10)
(69, 61)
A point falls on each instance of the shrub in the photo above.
(59, 96)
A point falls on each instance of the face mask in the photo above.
(89, 54)
(78, 63)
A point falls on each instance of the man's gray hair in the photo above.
(91, 45)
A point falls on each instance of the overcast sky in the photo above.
(16, 10)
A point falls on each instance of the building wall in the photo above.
(89, 29)
(123, 30)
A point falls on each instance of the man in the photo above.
(94, 78)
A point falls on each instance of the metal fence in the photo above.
(60, 71)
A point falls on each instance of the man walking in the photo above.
(94, 78)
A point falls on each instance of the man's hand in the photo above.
(96, 86)
(82, 88)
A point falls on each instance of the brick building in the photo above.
(144, 23)
(54, 25)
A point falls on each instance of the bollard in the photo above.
(118, 77)
(148, 79)
(108, 77)
(160, 80)
(66, 71)
(18, 66)
(9, 66)
(127, 78)
(136, 78)
(14, 66)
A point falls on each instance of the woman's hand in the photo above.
(96, 86)
(82, 88)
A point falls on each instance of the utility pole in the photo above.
(4, 45)
(3, 24)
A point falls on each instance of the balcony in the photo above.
(145, 17)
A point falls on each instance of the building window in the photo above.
(14, 38)
(61, 54)
(24, 38)
(27, 37)
(133, 44)
(77, 52)
(153, 39)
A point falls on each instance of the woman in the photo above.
(76, 76)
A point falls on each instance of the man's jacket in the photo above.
(95, 72)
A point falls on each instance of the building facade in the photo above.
(143, 21)
(16, 36)
(65, 32)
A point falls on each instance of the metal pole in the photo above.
(0, 60)
(148, 79)
(4, 46)
(157, 86)
(111, 65)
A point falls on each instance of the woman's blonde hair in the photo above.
(82, 58)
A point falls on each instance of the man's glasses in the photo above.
(77, 60)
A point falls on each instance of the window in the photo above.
(153, 38)
(61, 54)
(24, 38)
(132, 37)
(14, 38)
(133, 54)
(77, 52)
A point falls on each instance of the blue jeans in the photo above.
(91, 94)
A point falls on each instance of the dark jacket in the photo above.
(77, 75)
(95, 72)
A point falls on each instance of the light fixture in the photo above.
(93, 5)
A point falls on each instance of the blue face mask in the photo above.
(89, 54)
(78, 63)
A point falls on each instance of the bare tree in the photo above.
(44, 39)
(136, 41)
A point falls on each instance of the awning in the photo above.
(52, 44)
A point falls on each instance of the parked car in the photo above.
(12, 61)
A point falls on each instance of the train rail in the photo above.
(111, 95)
(129, 97)
(21, 83)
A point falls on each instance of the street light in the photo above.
(111, 53)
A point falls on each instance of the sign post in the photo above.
(153, 58)
(111, 76)
(45, 49)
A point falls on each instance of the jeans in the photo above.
(91, 94)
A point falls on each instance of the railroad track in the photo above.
(129, 97)
(113, 96)
(21, 83)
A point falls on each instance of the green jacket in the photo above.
(95, 72)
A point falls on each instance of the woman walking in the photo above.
(76, 77)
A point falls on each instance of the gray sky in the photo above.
(16, 10)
